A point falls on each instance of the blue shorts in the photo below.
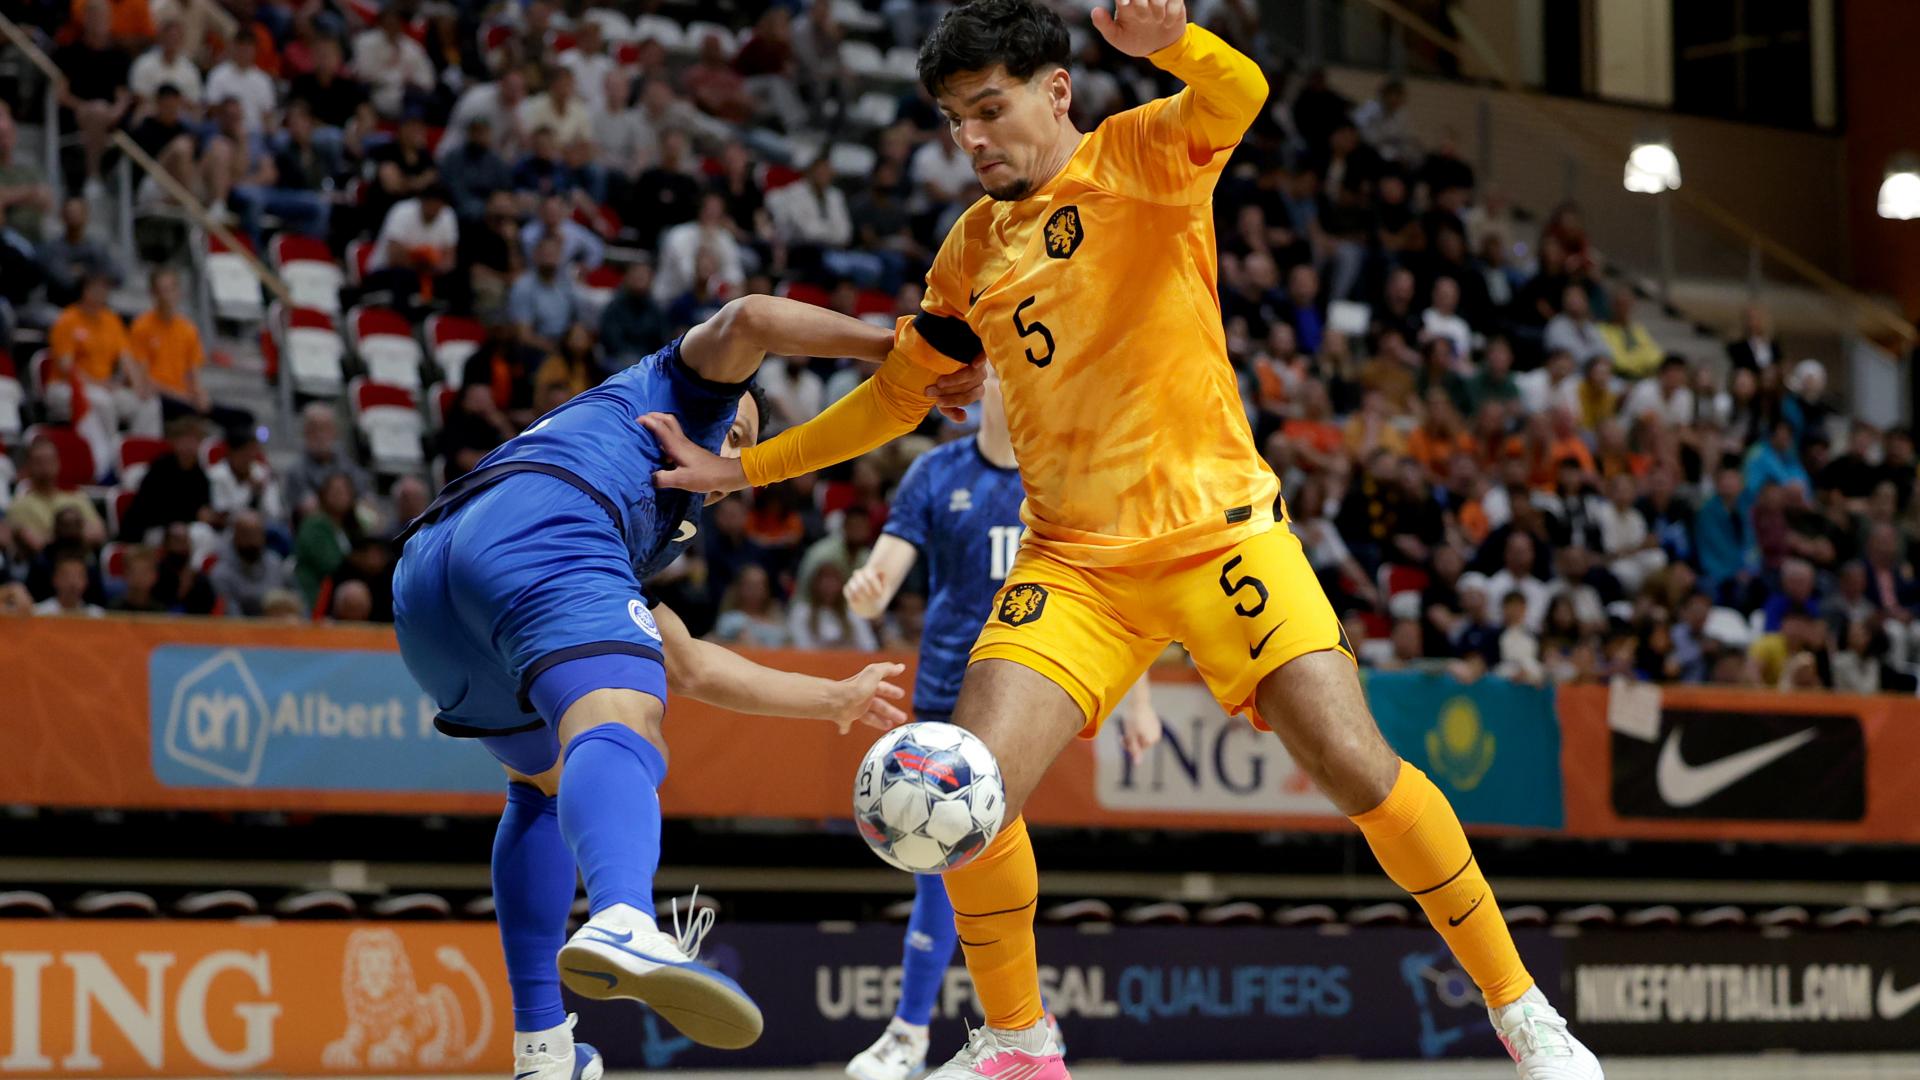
(526, 578)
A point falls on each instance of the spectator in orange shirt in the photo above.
(129, 21)
(88, 347)
(1441, 437)
(1316, 440)
(166, 345)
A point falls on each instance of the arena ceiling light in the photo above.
(1652, 168)
(1900, 191)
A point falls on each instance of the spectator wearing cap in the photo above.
(339, 102)
(247, 570)
(71, 257)
(416, 246)
(240, 79)
(580, 249)
(166, 64)
(243, 481)
(88, 348)
(542, 304)
(632, 324)
(473, 171)
(560, 109)
(175, 488)
(41, 500)
(70, 581)
(320, 457)
(93, 91)
(1635, 354)
(394, 65)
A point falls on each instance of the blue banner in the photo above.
(306, 719)
(1492, 746)
(1121, 993)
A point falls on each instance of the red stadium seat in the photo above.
(627, 54)
(113, 558)
(213, 451)
(373, 395)
(809, 294)
(76, 458)
(452, 339)
(359, 258)
(139, 450)
(873, 302)
(117, 509)
(292, 248)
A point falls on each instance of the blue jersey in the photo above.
(596, 437)
(963, 513)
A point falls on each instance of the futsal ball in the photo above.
(928, 797)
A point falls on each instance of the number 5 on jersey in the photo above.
(1033, 329)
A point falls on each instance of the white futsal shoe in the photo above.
(900, 1053)
(1537, 1039)
(992, 1054)
(553, 1055)
(621, 953)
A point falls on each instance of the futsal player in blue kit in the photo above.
(519, 608)
(959, 506)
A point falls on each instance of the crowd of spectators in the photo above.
(1493, 464)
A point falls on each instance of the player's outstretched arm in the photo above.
(728, 348)
(872, 587)
(1225, 89)
(719, 676)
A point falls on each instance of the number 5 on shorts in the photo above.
(1232, 587)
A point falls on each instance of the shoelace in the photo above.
(1536, 1035)
(699, 921)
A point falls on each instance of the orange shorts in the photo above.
(1241, 612)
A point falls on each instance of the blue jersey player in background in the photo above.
(519, 608)
(959, 507)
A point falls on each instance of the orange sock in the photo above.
(993, 901)
(1420, 844)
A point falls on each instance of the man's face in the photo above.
(170, 37)
(70, 581)
(1400, 288)
(1575, 302)
(249, 538)
(326, 58)
(1446, 295)
(546, 255)
(43, 464)
(166, 108)
(1006, 125)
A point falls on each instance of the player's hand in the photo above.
(696, 467)
(1141, 27)
(1139, 731)
(956, 390)
(869, 699)
(866, 593)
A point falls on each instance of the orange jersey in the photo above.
(1095, 298)
(168, 348)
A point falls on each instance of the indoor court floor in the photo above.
(1767, 1067)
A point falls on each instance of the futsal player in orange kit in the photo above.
(1087, 277)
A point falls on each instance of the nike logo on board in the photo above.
(1681, 784)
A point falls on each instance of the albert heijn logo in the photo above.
(217, 721)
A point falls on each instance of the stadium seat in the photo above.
(117, 508)
(389, 418)
(595, 290)
(12, 396)
(614, 26)
(1588, 915)
(39, 371)
(216, 904)
(1075, 912)
(139, 450)
(313, 352)
(1232, 913)
(1785, 917)
(230, 281)
(863, 59)
(1525, 915)
(1653, 917)
(480, 907)
(439, 399)
(76, 457)
(317, 904)
(117, 904)
(1719, 917)
(1162, 913)
(661, 29)
(1306, 915)
(807, 293)
(1851, 917)
(213, 451)
(1389, 913)
(903, 63)
(385, 344)
(875, 110)
(452, 340)
(308, 268)
(113, 554)
(25, 904)
(412, 906)
(1898, 917)
(851, 159)
(698, 31)
(359, 257)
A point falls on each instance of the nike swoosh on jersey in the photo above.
(974, 297)
(1451, 921)
(1682, 785)
(1894, 1004)
(1253, 651)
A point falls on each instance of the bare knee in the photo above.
(638, 712)
(1025, 719)
(1315, 706)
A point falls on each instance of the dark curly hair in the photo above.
(1023, 35)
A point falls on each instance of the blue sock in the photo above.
(532, 890)
(610, 814)
(931, 937)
